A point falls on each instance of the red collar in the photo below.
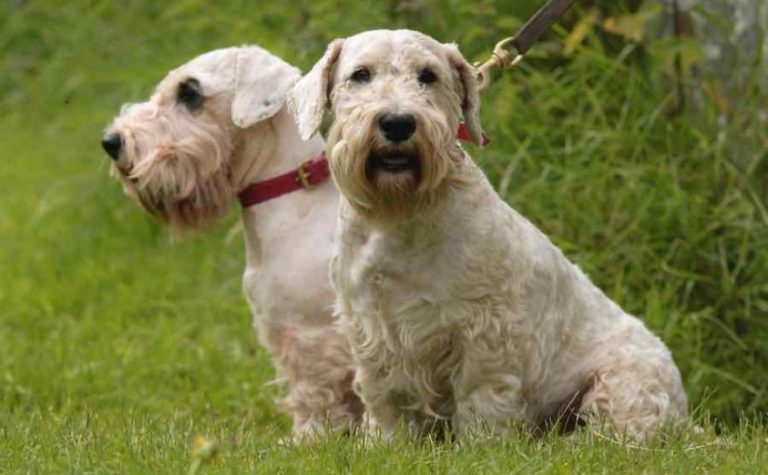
(308, 174)
(463, 135)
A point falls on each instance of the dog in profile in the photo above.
(458, 310)
(212, 130)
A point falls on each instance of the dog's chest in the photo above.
(393, 278)
(393, 295)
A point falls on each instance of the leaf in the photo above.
(715, 90)
(669, 51)
(632, 26)
(576, 37)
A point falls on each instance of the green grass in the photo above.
(118, 346)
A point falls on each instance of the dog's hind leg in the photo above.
(636, 393)
(317, 368)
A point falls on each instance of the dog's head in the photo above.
(397, 98)
(176, 153)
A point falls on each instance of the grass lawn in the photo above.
(120, 346)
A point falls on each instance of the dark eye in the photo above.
(190, 93)
(427, 76)
(361, 75)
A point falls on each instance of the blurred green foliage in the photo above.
(102, 318)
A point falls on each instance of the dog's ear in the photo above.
(469, 93)
(262, 82)
(309, 98)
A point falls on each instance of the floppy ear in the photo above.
(262, 82)
(309, 98)
(470, 93)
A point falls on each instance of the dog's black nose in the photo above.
(397, 127)
(111, 143)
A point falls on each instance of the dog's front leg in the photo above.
(381, 413)
(487, 392)
(489, 408)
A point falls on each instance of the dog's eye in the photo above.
(427, 76)
(361, 75)
(190, 94)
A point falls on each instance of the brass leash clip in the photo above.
(500, 57)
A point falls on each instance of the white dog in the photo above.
(217, 127)
(457, 308)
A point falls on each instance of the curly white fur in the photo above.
(457, 308)
(186, 167)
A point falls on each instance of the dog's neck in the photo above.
(277, 149)
(276, 228)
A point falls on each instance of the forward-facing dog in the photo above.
(213, 128)
(458, 309)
